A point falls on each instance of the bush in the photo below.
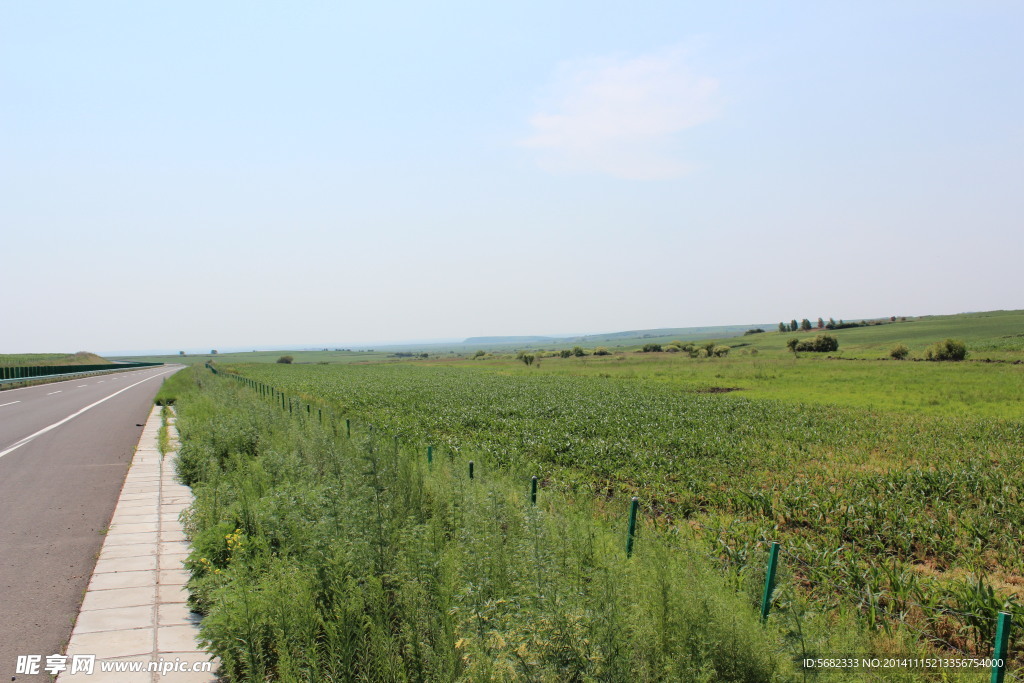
(820, 344)
(602, 351)
(648, 348)
(285, 359)
(527, 358)
(947, 349)
(720, 351)
(578, 351)
(565, 353)
(899, 352)
(756, 330)
(480, 354)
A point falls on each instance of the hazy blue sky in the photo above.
(222, 174)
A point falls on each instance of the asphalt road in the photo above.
(64, 453)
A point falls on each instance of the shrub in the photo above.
(285, 359)
(480, 354)
(578, 351)
(565, 353)
(602, 351)
(648, 348)
(720, 351)
(756, 330)
(947, 349)
(899, 352)
(820, 344)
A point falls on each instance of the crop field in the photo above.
(908, 518)
(974, 389)
(891, 486)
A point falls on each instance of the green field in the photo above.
(892, 485)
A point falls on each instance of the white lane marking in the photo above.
(80, 386)
(55, 392)
(76, 414)
(9, 404)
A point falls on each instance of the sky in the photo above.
(234, 174)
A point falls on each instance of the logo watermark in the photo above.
(89, 664)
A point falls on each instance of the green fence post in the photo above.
(430, 454)
(470, 469)
(769, 580)
(631, 532)
(348, 428)
(999, 651)
(533, 490)
(320, 415)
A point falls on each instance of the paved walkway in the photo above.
(134, 610)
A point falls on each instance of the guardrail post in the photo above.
(533, 490)
(999, 651)
(769, 580)
(631, 531)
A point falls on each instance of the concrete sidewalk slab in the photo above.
(134, 612)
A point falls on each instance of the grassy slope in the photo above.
(24, 359)
(993, 334)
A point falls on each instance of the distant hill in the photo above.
(681, 333)
(507, 340)
(23, 359)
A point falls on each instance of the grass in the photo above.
(171, 387)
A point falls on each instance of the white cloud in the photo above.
(620, 116)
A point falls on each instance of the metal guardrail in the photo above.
(18, 374)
